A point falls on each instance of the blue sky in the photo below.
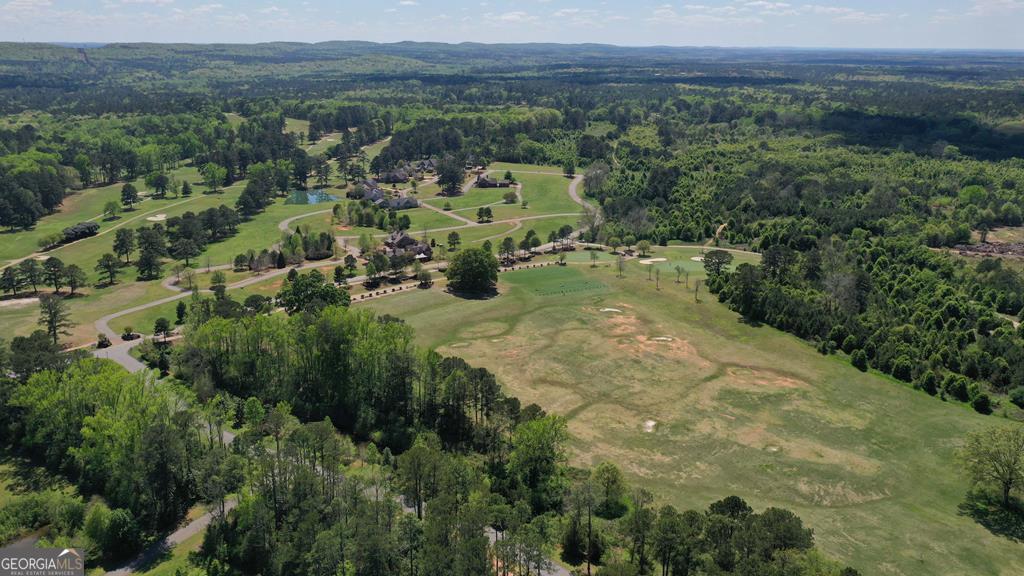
(817, 23)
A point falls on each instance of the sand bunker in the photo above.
(697, 258)
(157, 218)
(663, 339)
(15, 302)
(649, 426)
(653, 260)
(610, 310)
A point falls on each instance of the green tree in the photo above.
(54, 316)
(450, 174)
(716, 262)
(129, 196)
(569, 168)
(859, 359)
(610, 488)
(644, 247)
(213, 176)
(111, 209)
(453, 241)
(53, 270)
(124, 243)
(34, 353)
(418, 468)
(473, 271)
(159, 183)
(31, 273)
(995, 456)
(162, 328)
(310, 292)
(74, 277)
(11, 281)
(185, 249)
(149, 265)
(537, 460)
(507, 249)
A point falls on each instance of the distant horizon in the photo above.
(100, 44)
(838, 24)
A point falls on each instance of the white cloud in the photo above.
(515, 17)
(843, 13)
(27, 5)
(703, 14)
(987, 7)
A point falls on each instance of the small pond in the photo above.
(309, 197)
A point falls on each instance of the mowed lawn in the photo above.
(20, 317)
(696, 405)
(475, 198)
(87, 205)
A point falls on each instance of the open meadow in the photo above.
(695, 405)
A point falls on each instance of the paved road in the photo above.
(120, 353)
(450, 214)
(154, 551)
(285, 225)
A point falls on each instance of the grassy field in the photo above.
(85, 205)
(473, 199)
(295, 126)
(696, 405)
(20, 319)
(374, 150)
(1011, 128)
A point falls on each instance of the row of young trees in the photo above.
(893, 305)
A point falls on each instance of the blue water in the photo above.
(309, 197)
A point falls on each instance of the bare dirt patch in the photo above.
(18, 302)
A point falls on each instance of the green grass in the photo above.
(294, 125)
(374, 150)
(475, 198)
(866, 461)
(177, 559)
(262, 230)
(85, 205)
(1012, 128)
(234, 119)
(429, 219)
(471, 235)
(323, 144)
(544, 194)
(85, 309)
(19, 476)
